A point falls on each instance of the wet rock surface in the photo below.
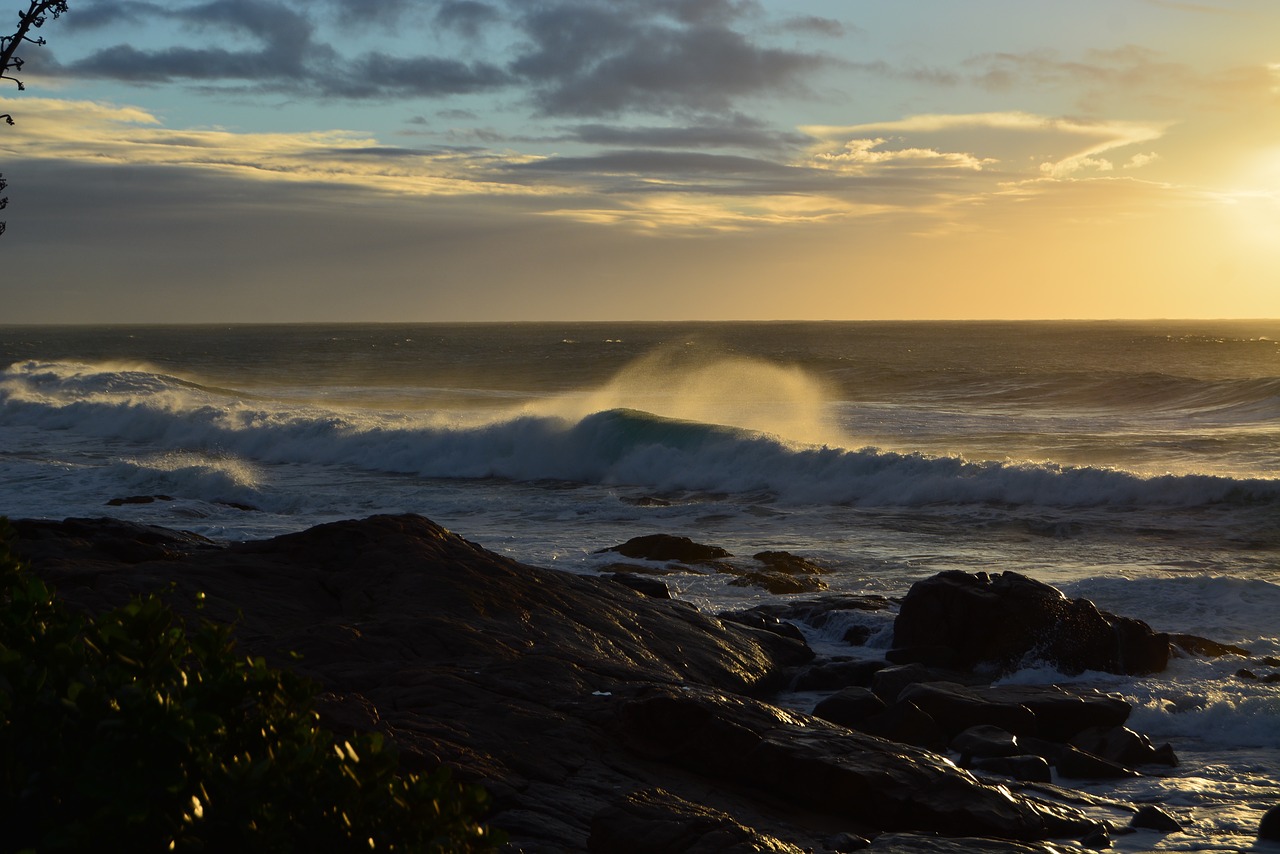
(1002, 621)
(606, 718)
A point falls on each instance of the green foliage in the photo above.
(130, 731)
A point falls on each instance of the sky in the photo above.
(487, 160)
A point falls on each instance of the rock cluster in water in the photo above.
(610, 719)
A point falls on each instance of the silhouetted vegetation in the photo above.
(130, 731)
(33, 18)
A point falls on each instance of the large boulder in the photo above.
(667, 547)
(824, 768)
(1001, 622)
(558, 692)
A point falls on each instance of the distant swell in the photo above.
(616, 446)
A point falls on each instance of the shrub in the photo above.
(132, 731)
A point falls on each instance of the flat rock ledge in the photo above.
(600, 719)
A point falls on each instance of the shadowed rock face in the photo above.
(999, 621)
(563, 694)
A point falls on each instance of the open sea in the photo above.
(1136, 464)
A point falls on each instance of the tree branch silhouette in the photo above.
(33, 18)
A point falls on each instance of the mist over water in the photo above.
(733, 391)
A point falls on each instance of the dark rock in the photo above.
(82, 547)
(1050, 751)
(667, 547)
(655, 820)
(642, 584)
(1060, 711)
(559, 692)
(789, 564)
(138, 499)
(1098, 840)
(850, 707)
(459, 656)
(1027, 769)
(647, 501)
(984, 741)
(780, 583)
(857, 635)
(914, 843)
(1269, 827)
(846, 842)
(1244, 673)
(834, 675)
(236, 505)
(829, 769)
(1004, 621)
(1123, 746)
(644, 569)
(956, 708)
(931, 656)
(889, 682)
(1152, 817)
(765, 622)
(905, 723)
(821, 612)
(1271, 678)
(1203, 646)
(1076, 764)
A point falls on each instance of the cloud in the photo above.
(565, 57)
(738, 131)
(1059, 147)
(814, 25)
(467, 17)
(588, 60)
(1100, 81)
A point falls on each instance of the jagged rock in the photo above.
(985, 741)
(789, 564)
(642, 584)
(780, 583)
(956, 708)
(1099, 840)
(1269, 827)
(1195, 645)
(457, 655)
(1027, 769)
(655, 821)
(1153, 818)
(828, 769)
(1061, 712)
(86, 546)
(846, 842)
(667, 547)
(905, 723)
(857, 635)
(850, 707)
(913, 843)
(834, 675)
(1003, 621)
(930, 656)
(890, 682)
(1076, 764)
(138, 499)
(1123, 746)
(766, 622)
(644, 569)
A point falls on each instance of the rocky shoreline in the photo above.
(604, 716)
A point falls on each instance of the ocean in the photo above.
(1136, 464)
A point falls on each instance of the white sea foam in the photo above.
(602, 447)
